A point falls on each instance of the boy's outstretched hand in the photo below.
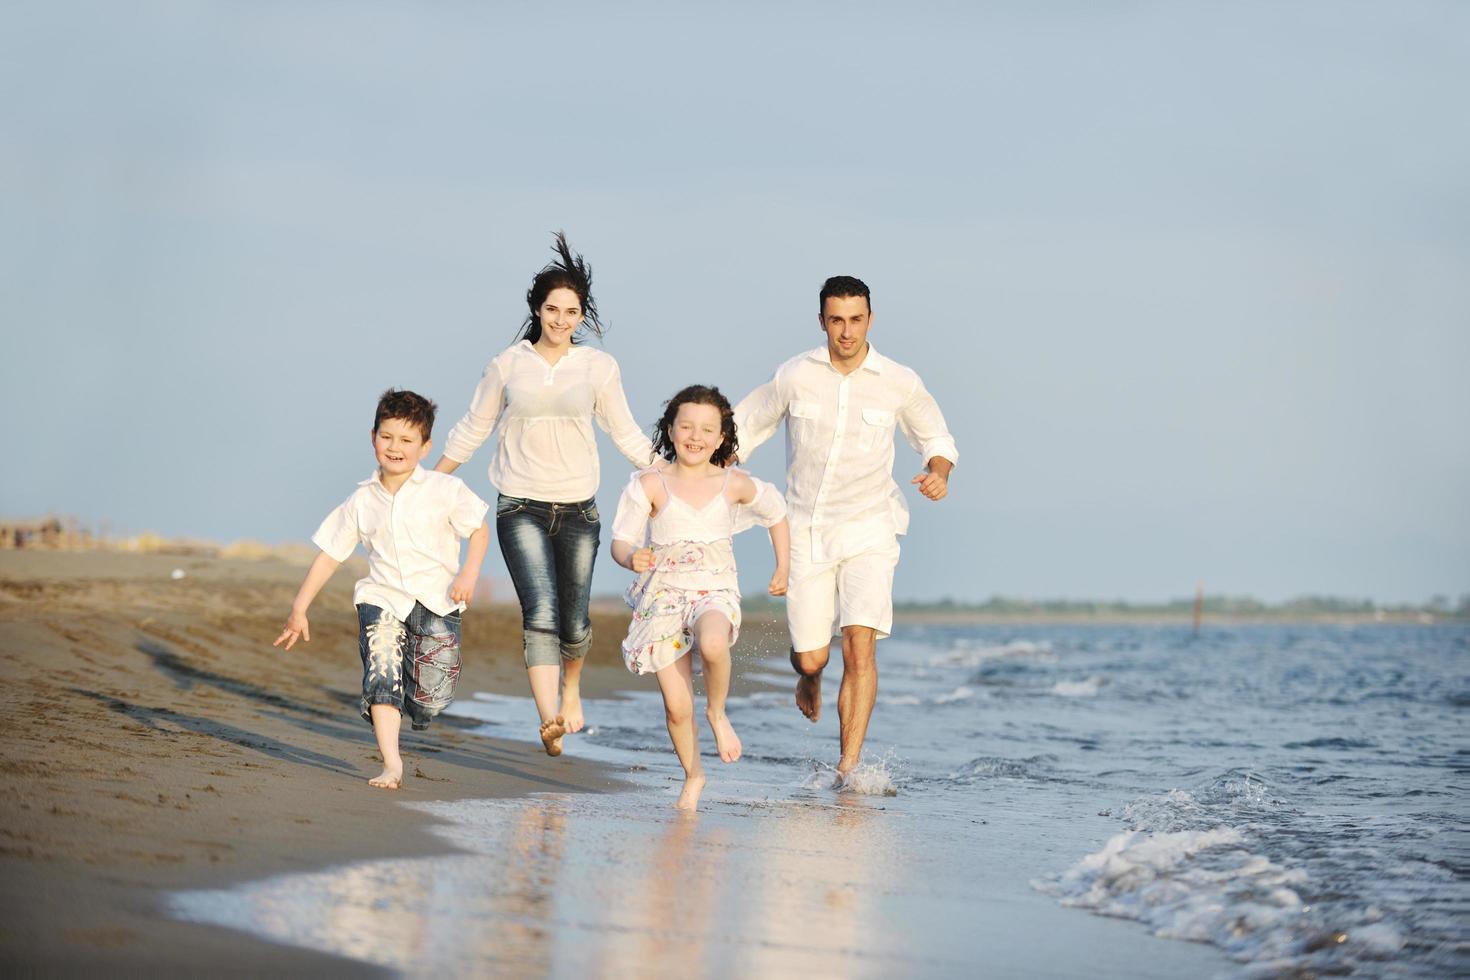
(462, 589)
(296, 626)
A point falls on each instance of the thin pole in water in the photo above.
(1199, 603)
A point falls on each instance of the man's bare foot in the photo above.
(571, 706)
(809, 695)
(693, 786)
(726, 740)
(389, 778)
(551, 733)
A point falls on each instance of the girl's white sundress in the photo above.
(693, 566)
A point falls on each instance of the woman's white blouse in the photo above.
(542, 414)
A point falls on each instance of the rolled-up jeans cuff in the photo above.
(542, 649)
(577, 650)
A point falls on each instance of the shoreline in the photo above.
(159, 743)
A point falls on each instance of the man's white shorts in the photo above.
(824, 596)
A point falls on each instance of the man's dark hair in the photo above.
(568, 271)
(843, 287)
(412, 408)
(698, 395)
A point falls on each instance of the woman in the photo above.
(541, 395)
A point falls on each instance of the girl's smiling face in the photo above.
(695, 433)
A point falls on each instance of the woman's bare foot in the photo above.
(389, 778)
(693, 786)
(551, 733)
(571, 706)
(726, 740)
(809, 695)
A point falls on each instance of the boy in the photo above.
(410, 521)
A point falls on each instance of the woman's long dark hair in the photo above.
(568, 271)
(698, 395)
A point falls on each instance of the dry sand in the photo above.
(157, 742)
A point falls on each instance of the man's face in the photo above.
(845, 321)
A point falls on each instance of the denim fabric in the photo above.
(550, 550)
(411, 665)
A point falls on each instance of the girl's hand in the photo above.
(778, 583)
(462, 589)
(641, 560)
(296, 626)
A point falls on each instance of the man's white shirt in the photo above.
(839, 445)
(411, 538)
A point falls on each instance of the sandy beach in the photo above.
(158, 742)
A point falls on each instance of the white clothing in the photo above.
(693, 565)
(839, 446)
(411, 538)
(822, 597)
(543, 416)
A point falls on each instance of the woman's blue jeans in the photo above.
(550, 549)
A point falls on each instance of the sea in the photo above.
(1040, 801)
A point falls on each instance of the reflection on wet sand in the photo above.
(600, 886)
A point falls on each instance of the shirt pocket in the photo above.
(877, 428)
(804, 419)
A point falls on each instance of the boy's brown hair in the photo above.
(412, 408)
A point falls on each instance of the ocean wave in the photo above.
(1085, 688)
(965, 655)
(995, 767)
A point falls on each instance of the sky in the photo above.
(1191, 282)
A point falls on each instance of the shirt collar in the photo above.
(419, 475)
(873, 362)
(530, 348)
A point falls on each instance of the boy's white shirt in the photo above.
(543, 415)
(839, 445)
(411, 538)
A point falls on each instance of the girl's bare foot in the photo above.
(389, 778)
(551, 733)
(693, 786)
(571, 706)
(726, 740)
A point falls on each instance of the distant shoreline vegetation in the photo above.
(1438, 609)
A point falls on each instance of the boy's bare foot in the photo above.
(693, 786)
(726, 740)
(389, 778)
(571, 706)
(809, 695)
(551, 733)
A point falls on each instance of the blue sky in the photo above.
(1189, 280)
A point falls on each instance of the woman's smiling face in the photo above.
(561, 315)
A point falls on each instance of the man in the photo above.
(841, 402)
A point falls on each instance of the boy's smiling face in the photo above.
(399, 446)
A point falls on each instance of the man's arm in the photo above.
(923, 426)
(758, 416)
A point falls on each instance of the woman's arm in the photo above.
(612, 414)
(471, 431)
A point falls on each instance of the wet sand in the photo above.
(158, 742)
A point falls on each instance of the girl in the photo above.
(687, 595)
(542, 395)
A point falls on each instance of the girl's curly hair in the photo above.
(568, 271)
(698, 395)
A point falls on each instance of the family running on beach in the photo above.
(835, 533)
